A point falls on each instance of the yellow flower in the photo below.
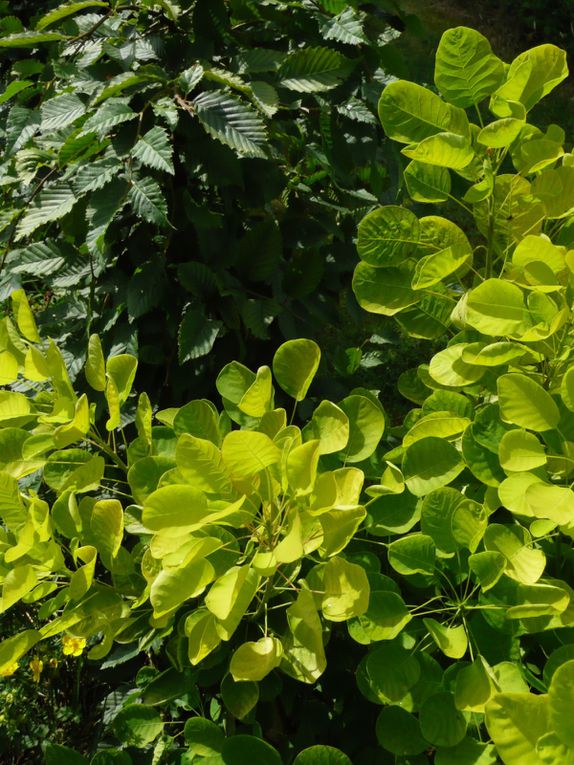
(73, 646)
(9, 670)
(36, 665)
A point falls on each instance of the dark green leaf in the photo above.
(231, 122)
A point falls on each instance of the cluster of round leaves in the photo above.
(476, 497)
(521, 185)
(230, 542)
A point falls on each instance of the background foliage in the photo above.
(277, 577)
(189, 177)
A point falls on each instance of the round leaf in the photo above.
(321, 755)
(392, 671)
(410, 113)
(294, 365)
(449, 368)
(468, 752)
(430, 463)
(246, 453)
(254, 660)
(203, 737)
(561, 702)
(520, 450)
(442, 724)
(330, 425)
(174, 506)
(398, 732)
(523, 563)
(366, 427)
(413, 554)
(249, 750)
(497, 308)
(525, 403)
(466, 70)
(137, 725)
(385, 291)
(387, 236)
(427, 183)
(347, 590)
(515, 722)
(239, 698)
(452, 641)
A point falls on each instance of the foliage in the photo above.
(165, 162)
(223, 542)
(234, 556)
(478, 490)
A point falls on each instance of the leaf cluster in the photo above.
(477, 496)
(219, 535)
(187, 177)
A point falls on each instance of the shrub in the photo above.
(478, 491)
(246, 558)
(222, 544)
(185, 179)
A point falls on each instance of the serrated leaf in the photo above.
(73, 273)
(313, 70)
(40, 258)
(345, 28)
(227, 78)
(189, 78)
(95, 175)
(148, 201)
(265, 97)
(61, 111)
(29, 39)
(21, 125)
(145, 289)
(51, 204)
(79, 147)
(155, 150)
(231, 122)
(260, 60)
(104, 206)
(357, 110)
(257, 315)
(196, 335)
(67, 9)
(114, 112)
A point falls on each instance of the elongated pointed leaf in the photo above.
(155, 150)
(61, 111)
(67, 9)
(51, 204)
(232, 122)
(29, 39)
(313, 70)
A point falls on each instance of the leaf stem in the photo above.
(97, 441)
